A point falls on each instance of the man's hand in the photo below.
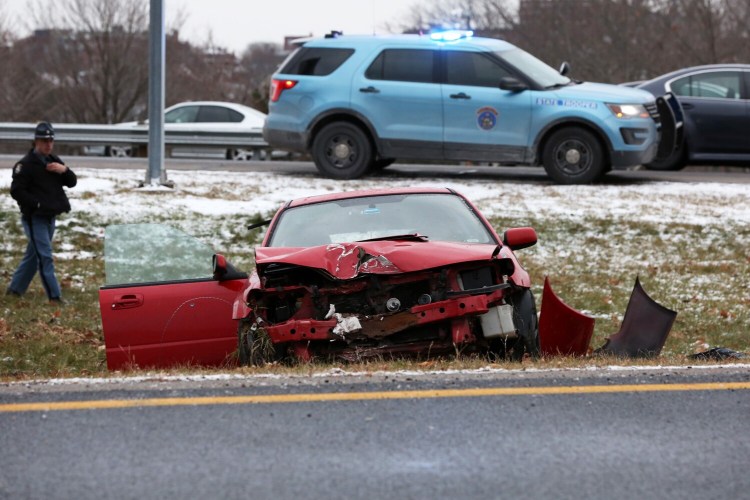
(57, 168)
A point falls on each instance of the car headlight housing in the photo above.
(625, 111)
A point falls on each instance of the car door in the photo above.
(481, 121)
(714, 104)
(161, 305)
(398, 93)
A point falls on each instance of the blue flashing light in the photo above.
(451, 35)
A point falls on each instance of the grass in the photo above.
(700, 271)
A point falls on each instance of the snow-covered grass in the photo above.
(687, 242)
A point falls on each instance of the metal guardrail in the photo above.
(119, 135)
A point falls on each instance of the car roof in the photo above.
(423, 40)
(692, 69)
(345, 195)
(232, 105)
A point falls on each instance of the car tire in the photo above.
(527, 324)
(239, 154)
(342, 151)
(573, 155)
(118, 151)
(382, 163)
(254, 346)
(676, 161)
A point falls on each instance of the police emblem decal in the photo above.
(487, 118)
(17, 168)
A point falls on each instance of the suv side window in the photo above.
(316, 61)
(403, 65)
(717, 84)
(472, 68)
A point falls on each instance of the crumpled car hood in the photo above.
(347, 260)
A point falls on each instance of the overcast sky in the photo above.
(234, 24)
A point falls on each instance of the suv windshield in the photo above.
(439, 217)
(539, 71)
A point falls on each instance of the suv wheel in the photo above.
(342, 151)
(573, 156)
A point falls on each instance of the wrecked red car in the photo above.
(347, 275)
(351, 275)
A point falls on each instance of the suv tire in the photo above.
(573, 155)
(342, 151)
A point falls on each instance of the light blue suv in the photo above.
(358, 103)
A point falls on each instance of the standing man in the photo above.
(37, 186)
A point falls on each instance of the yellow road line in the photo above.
(361, 396)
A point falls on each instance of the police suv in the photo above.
(358, 103)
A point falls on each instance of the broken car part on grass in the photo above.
(355, 275)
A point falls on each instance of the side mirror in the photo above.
(219, 266)
(512, 84)
(519, 237)
(564, 68)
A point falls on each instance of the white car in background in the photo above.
(205, 116)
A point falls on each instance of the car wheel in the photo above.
(254, 346)
(676, 161)
(382, 163)
(525, 319)
(239, 154)
(118, 151)
(573, 156)
(342, 151)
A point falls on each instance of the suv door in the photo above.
(714, 104)
(161, 305)
(482, 122)
(398, 93)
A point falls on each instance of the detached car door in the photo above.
(161, 305)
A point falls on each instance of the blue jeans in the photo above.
(39, 230)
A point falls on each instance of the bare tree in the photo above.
(95, 56)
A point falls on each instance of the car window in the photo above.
(440, 217)
(185, 114)
(403, 65)
(148, 253)
(315, 61)
(218, 114)
(472, 68)
(716, 84)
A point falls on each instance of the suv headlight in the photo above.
(628, 110)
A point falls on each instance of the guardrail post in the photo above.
(156, 169)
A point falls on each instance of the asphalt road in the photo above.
(504, 174)
(371, 439)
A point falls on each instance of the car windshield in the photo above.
(438, 217)
(539, 71)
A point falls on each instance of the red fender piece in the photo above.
(644, 328)
(562, 329)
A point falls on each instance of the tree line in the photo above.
(87, 60)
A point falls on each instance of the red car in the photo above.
(349, 275)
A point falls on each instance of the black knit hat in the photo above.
(44, 131)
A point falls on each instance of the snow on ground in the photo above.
(113, 196)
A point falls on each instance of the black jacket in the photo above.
(37, 191)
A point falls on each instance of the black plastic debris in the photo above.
(718, 353)
(644, 328)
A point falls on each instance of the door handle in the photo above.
(460, 96)
(127, 301)
(369, 90)
(687, 105)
